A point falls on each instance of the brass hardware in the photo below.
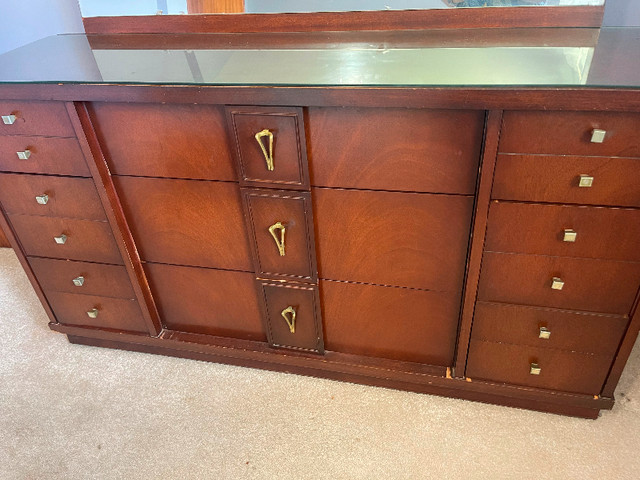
(24, 155)
(93, 313)
(61, 240)
(585, 181)
(268, 156)
(42, 199)
(291, 322)
(78, 281)
(569, 235)
(534, 369)
(544, 333)
(279, 241)
(597, 135)
(8, 119)
(557, 283)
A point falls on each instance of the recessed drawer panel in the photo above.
(604, 286)
(548, 178)
(395, 149)
(82, 278)
(270, 146)
(50, 196)
(66, 238)
(571, 133)
(57, 156)
(207, 301)
(548, 328)
(35, 118)
(292, 315)
(573, 231)
(95, 311)
(556, 369)
(282, 232)
(390, 322)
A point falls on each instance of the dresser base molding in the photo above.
(336, 366)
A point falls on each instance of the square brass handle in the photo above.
(557, 283)
(24, 155)
(597, 135)
(534, 369)
(93, 313)
(8, 119)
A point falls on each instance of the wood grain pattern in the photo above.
(4, 242)
(215, 6)
(36, 118)
(56, 156)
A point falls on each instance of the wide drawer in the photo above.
(573, 231)
(571, 133)
(85, 240)
(50, 196)
(395, 149)
(548, 178)
(548, 328)
(95, 311)
(161, 140)
(36, 118)
(56, 156)
(559, 370)
(207, 301)
(389, 322)
(82, 278)
(604, 286)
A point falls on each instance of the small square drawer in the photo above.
(66, 238)
(56, 156)
(292, 316)
(269, 146)
(282, 232)
(50, 196)
(96, 311)
(35, 118)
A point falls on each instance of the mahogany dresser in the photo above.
(454, 214)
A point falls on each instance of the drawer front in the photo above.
(112, 313)
(50, 196)
(365, 237)
(82, 278)
(186, 222)
(190, 140)
(559, 370)
(388, 322)
(282, 233)
(548, 178)
(36, 118)
(85, 240)
(573, 231)
(570, 133)
(292, 316)
(395, 149)
(207, 301)
(589, 285)
(548, 328)
(270, 146)
(57, 156)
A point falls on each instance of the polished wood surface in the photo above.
(36, 118)
(55, 156)
(215, 6)
(395, 149)
(4, 242)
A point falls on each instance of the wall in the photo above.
(622, 13)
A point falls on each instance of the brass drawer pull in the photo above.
(289, 315)
(279, 241)
(268, 155)
(8, 119)
(569, 235)
(78, 281)
(544, 333)
(93, 313)
(24, 155)
(42, 199)
(534, 369)
(597, 135)
(557, 283)
(61, 240)
(585, 181)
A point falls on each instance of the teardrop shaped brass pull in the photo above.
(279, 241)
(289, 315)
(268, 155)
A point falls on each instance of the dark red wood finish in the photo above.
(4, 242)
(48, 119)
(52, 155)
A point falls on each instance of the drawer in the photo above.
(186, 222)
(82, 278)
(85, 240)
(364, 236)
(395, 149)
(603, 286)
(57, 156)
(389, 322)
(190, 140)
(281, 227)
(548, 178)
(292, 316)
(608, 233)
(559, 370)
(36, 118)
(112, 313)
(570, 133)
(207, 301)
(548, 328)
(50, 196)
(269, 145)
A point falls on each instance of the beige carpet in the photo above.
(74, 412)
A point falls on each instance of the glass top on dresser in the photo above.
(608, 57)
